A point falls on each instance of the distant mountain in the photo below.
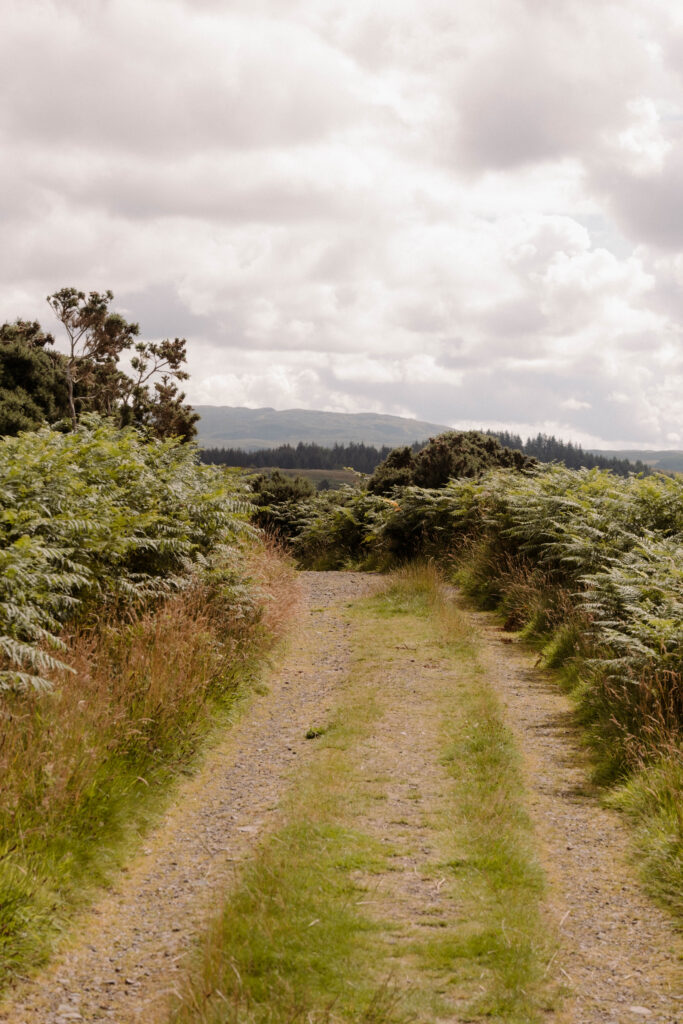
(667, 461)
(236, 427)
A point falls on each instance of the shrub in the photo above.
(95, 520)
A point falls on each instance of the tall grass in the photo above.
(134, 601)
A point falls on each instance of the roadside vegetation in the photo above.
(135, 601)
(321, 925)
(582, 564)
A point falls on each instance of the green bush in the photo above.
(276, 497)
(453, 454)
(95, 520)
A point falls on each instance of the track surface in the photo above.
(619, 955)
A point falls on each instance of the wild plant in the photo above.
(98, 519)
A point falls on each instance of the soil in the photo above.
(619, 954)
(123, 959)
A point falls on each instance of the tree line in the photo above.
(361, 457)
(366, 458)
(547, 448)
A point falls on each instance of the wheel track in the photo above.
(123, 958)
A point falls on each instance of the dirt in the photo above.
(123, 959)
(619, 954)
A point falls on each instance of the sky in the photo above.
(466, 211)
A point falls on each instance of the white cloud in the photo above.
(471, 213)
(574, 404)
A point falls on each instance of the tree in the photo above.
(97, 337)
(397, 470)
(162, 408)
(96, 340)
(452, 454)
(163, 411)
(33, 384)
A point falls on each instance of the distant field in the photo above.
(336, 477)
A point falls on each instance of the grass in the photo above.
(293, 942)
(311, 932)
(501, 938)
(652, 800)
(495, 862)
(87, 767)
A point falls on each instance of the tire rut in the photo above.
(620, 954)
(123, 958)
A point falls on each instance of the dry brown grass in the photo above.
(83, 766)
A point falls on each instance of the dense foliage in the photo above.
(93, 519)
(274, 495)
(453, 454)
(361, 457)
(33, 387)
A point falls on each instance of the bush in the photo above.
(95, 520)
(453, 454)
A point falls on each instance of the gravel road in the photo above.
(619, 956)
(123, 958)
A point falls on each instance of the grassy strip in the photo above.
(649, 792)
(86, 767)
(500, 941)
(292, 944)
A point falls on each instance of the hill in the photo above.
(226, 426)
(236, 427)
(667, 461)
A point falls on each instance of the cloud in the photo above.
(468, 213)
(544, 85)
(157, 78)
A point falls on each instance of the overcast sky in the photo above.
(468, 211)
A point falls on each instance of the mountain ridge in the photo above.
(236, 426)
(230, 426)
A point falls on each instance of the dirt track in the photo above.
(618, 953)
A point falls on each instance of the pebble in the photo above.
(152, 918)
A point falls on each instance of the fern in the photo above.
(96, 517)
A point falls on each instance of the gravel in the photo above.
(123, 959)
(620, 955)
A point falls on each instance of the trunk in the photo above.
(70, 389)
